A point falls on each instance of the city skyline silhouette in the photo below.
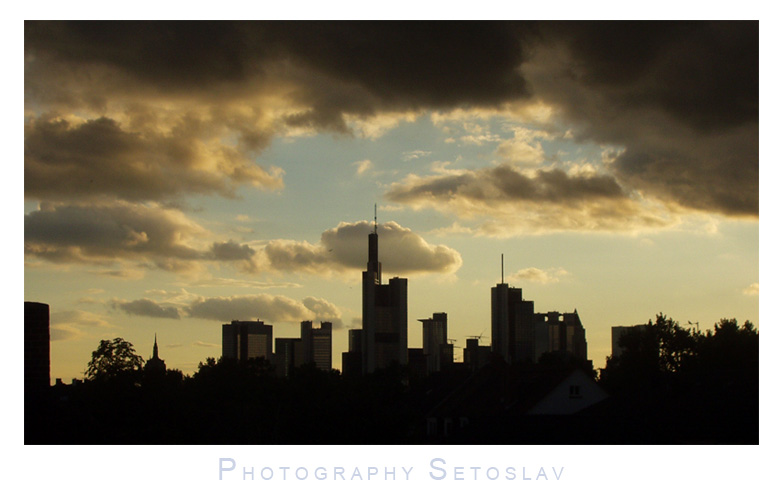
(182, 175)
(175, 197)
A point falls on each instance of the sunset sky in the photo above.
(178, 176)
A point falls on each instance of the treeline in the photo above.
(225, 402)
(678, 384)
(670, 384)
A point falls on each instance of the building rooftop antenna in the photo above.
(374, 218)
(502, 269)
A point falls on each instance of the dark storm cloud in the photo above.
(704, 74)
(412, 63)
(681, 99)
(146, 307)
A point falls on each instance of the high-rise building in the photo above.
(37, 377)
(575, 335)
(288, 355)
(512, 324)
(245, 340)
(475, 356)
(352, 360)
(385, 339)
(434, 337)
(556, 332)
(317, 344)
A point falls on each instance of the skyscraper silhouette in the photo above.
(385, 335)
(318, 344)
(435, 346)
(512, 324)
(244, 340)
(36, 347)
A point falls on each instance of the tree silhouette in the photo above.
(112, 359)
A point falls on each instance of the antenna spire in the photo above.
(374, 218)
(502, 269)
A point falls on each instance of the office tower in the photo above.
(567, 335)
(352, 360)
(155, 364)
(575, 335)
(475, 356)
(542, 334)
(245, 340)
(288, 355)
(36, 347)
(317, 344)
(434, 337)
(385, 339)
(512, 324)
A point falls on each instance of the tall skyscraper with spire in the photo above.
(385, 330)
(512, 322)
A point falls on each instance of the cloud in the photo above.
(109, 232)
(523, 150)
(324, 73)
(680, 99)
(538, 275)
(363, 167)
(270, 308)
(200, 343)
(161, 113)
(751, 290)
(508, 200)
(414, 155)
(324, 310)
(64, 160)
(345, 249)
(68, 325)
(146, 307)
(242, 283)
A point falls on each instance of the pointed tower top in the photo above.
(374, 218)
(154, 350)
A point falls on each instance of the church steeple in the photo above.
(155, 364)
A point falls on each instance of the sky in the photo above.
(178, 176)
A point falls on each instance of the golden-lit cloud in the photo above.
(543, 276)
(345, 249)
(161, 114)
(146, 307)
(148, 234)
(751, 290)
(265, 307)
(66, 160)
(504, 201)
(68, 325)
(363, 167)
